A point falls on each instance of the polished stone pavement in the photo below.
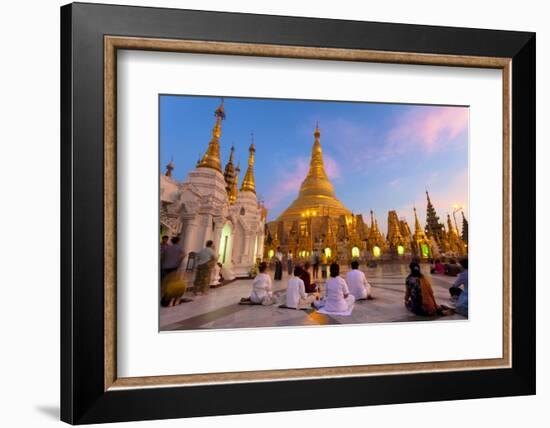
(220, 309)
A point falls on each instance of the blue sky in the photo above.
(378, 156)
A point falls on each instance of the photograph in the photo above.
(294, 213)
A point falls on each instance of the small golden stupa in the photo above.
(316, 197)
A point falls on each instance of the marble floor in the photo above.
(220, 309)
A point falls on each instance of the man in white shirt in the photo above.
(295, 290)
(358, 285)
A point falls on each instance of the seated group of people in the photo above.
(420, 298)
(339, 295)
(452, 268)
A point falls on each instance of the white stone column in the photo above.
(188, 235)
(218, 227)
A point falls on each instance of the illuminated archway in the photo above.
(225, 244)
(400, 250)
(270, 253)
(355, 252)
(376, 251)
(328, 252)
(425, 251)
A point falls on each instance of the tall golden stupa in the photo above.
(318, 221)
(316, 197)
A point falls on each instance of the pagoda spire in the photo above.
(417, 227)
(229, 174)
(211, 158)
(249, 184)
(450, 225)
(464, 228)
(235, 186)
(169, 168)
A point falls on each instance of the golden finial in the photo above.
(211, 158)
(169, 168)
(249, 184)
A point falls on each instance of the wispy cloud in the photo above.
(429, 129)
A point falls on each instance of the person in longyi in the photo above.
(206, 260)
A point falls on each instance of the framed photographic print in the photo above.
(257, 207)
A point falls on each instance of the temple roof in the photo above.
(316, 197)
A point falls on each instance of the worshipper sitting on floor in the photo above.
(419, 295)
(295, 290)
(358, 285)
(215, 280)
(438, 267)
(310, 287)
(206, 260)
(172, 288)
(262, 289)
(462, 293)
(337, 296)
(452, 268)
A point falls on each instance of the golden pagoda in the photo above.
(421, 243)
(316, 197)
(211, 158)
(398, 245)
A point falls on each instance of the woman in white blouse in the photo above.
(357, 282)
(337, 296)
(295, 290)
(262, 290)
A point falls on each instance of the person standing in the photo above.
(324, 262)
(305, 276)
(163, 245)
(289, 262)
(358, 285)
(278, 265)
(205, 259)
(171, 257)
(316, 260)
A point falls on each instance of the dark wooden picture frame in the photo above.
(90, 36)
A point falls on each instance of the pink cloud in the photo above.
(429, 128)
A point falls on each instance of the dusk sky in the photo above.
(378, 156)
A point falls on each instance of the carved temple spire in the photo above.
(417, 226)
(169, 168)
(229, 174)
(249, 184)
(211, 158)
(235, 186)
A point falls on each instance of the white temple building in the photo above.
(207, 205)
